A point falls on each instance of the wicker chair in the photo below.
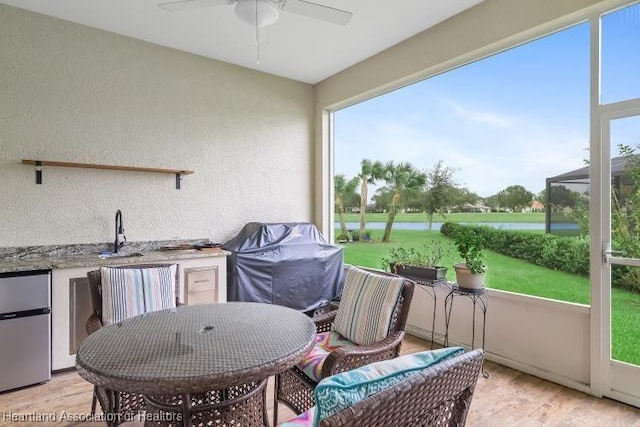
(436, 396)
(127, 404)
(295, 389)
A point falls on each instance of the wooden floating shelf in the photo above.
(110, 167)
(40, 163)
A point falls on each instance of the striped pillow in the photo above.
(366, 307)
(122, 294)
(128, 292)
(159, 284)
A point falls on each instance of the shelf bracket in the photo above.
(178, 179)
(38, 172)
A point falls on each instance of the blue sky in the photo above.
(514, 118)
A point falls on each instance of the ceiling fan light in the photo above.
(266, 13)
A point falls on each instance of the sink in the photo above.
(128, 255)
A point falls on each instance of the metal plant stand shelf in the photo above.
(479, 299)
(429, 287)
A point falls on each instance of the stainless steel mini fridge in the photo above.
(25, 328)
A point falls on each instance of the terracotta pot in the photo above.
(466, 279)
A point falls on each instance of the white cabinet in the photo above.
(201, 285)
(202, 280)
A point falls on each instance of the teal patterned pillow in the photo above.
(345, 389)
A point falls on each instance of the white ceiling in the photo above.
(299, 48)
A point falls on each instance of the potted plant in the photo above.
(417, 263)
(470, 273)
(342, 238)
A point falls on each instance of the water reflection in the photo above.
(436, 225)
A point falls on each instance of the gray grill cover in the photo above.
(287, 264)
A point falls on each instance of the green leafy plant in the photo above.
(342, 238)
(470, 244)
(625, 218)
(427, 255)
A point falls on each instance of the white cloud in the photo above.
(489, 151)
(495, 132)
(472, 115)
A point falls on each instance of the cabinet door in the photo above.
(201, 285)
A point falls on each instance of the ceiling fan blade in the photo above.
(317, 11)
(191, 4)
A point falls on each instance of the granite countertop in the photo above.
(73, 256)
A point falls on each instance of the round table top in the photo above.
(198, 348)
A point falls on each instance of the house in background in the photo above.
(77, 86)
(537, 206)
(475, 207)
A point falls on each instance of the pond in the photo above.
(436, 225)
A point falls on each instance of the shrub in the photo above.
(568, 254)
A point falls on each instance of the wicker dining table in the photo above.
(197, 364)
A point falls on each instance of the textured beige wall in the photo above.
(73, 93)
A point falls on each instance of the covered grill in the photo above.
(288, 264)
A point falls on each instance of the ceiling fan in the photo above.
(262, 13)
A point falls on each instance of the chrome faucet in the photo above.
(119, 231)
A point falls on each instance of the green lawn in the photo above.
(625, 313)
(538, 217)
(518, 276)
(504, 273)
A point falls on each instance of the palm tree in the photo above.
(369, 174)
(401, 179)
(343, 190)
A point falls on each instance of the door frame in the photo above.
(614, 374)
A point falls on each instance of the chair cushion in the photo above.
(347, 388)
(122, 294)
(367, 305)
(326, 342)
(305, 419)
(128, 292)
(159, 287)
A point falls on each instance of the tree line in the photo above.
(406, 188)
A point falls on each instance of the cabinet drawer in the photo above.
(202, 297)
(201, 280)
